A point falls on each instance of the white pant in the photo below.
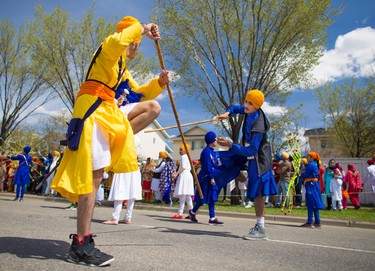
(183, 199)
(117, 207)
(339, 204)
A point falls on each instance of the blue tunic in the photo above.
(313, 194)
(265, 184)
(23, 173)
(209, 168)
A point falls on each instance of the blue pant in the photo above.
(20, 189)
(211, 208)
(313, 212)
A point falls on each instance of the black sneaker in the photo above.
(192, 216)
(86, 254)
(215, 222)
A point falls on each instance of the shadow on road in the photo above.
(34, 248)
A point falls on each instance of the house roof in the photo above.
(315, 132)
(195, 131)
(163, 132)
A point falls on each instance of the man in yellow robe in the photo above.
(107, 140)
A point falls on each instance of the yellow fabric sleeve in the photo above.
(106, 68)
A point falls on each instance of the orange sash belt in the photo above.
(97, 89)
(310, 180)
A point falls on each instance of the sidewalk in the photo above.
(164, 208)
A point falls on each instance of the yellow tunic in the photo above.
(74, 175)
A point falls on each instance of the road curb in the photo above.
(163, 208)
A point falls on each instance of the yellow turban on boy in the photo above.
(163, 155)
(256, 97)
(125, 23)
(56, 153)
(183, 147)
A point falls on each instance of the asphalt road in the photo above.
(34, 236)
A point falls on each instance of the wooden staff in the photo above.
(46, 176)
(161, 59)
(182, 125)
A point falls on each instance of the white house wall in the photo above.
(152, 143)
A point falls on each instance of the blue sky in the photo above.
(350, 49)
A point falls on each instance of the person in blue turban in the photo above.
(206, 177)
(22, 177)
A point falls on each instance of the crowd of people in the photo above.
(114, 108)
(28, 172)
(337, 185)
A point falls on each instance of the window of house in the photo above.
(196, 145)
(325, 143)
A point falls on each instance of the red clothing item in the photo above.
(275, 167)
(353, 179)
(321, 181)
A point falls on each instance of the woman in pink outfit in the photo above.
(353, 180)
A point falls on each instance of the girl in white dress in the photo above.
(125, 186)
(184, 189)
(335, 188)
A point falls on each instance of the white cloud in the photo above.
(353, 56)
(274, 110)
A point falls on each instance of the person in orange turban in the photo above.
(184, 188)
(314, 155)
(255, 149)
(163, 155)
(314, 203)
(107, 139)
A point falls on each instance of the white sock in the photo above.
(260, 221)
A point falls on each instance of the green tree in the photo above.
(64, 48)
(350, 112)
(22, 85)
(223, 48)
(282, 125)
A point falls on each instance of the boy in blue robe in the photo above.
(206, 177)
(257, 150)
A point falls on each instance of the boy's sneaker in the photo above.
(317, 225)
(307, 225)
(192, 216)
(215, 222)
(248, 204)
(86, 253)
(256, 233)
(71, 207)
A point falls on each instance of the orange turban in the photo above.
(183, 147)
(163, 155)
(256, 97)
(285, 155)
(314, 155)
(125, 23)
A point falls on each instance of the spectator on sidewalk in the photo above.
(354, 185)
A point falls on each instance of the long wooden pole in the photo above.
(182, 125)
(161, 59)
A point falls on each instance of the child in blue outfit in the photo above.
(314, 201)
(22, 177)
(206, 177)
(257, 151)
